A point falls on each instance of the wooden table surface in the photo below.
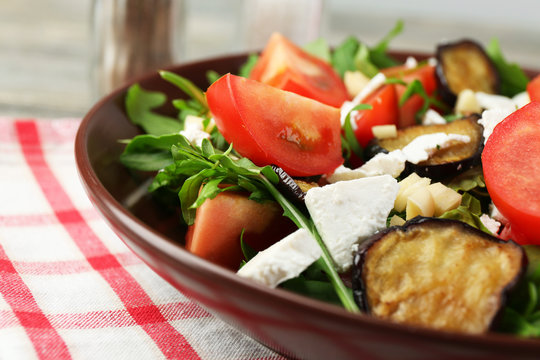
(45, 47)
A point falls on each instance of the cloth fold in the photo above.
(69, 287)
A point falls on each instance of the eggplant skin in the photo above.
(445, 163)
(461, 65)
(437, 273)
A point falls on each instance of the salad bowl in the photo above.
(292, 325)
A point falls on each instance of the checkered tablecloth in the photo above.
(69, 287)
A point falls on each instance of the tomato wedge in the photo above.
(511, 163)
(272, 126)
(286, 66)
(384, 112)
(219, 222)
(425, 73)
(533, 88)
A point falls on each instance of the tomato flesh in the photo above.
(533, 88)
(215, 235)
(272, 126)
(384, 111)
(286, 66)
(511, 164)
(426, 75)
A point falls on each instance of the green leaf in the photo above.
(363, 62)
(350, 137)
(149, 152)
(245, 69)
(315, 289)
(319, 48)
(468, 212)
(247, 250)
(513, 79)
(378, 54)
(207, 148)
(186, 86)
(343, 56)
(469, 180)
(209, 191)
(139, 107)
(212, 76)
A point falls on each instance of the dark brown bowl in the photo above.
(288, 323)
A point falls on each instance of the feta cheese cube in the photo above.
(348, 212)
(284, 260)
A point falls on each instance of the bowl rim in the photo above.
(111, 210)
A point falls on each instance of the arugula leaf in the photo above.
(140, 104)
(513, 79)
(362, 61)
(378, 54)
(186, 86)
(219, 167)
(350, 143)
(245, 70)
(415, 87)
(469, 180)
(189, 107)
(149, 152)
(212, 76)
(319, 48)
(343, 56)
(521, 316)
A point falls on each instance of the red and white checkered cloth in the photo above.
(69, 287)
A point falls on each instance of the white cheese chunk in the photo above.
(193, 122)
(431, 117)
(423, 146)
(521, 99)
(410, 62)
(348, 212)
(392, 163)
(491, 224)
(491, 118)
(284, 260)
(195, 136)
(491, 101)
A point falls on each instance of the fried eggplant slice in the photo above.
(437, 273)
(464, 65)
(445, 163)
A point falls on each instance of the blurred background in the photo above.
(47, 48)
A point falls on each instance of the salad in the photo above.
(402, 189)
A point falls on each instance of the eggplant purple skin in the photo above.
(358, 286)
(442, 84)
(288, 186)
(436, 172)
(441, 172)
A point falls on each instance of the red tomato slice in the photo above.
(288, 67)
(511, 163)
(384, 112)
(533, 88)
(426, 75)
(215, 235)
(272, 126)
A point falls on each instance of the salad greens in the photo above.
(201, 171)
